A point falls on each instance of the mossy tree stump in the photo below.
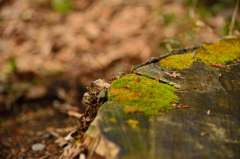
(198, 118)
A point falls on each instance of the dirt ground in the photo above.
(49, 54)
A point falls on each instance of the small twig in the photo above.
(192, 8)
(219, 65)
(46, 156)
(126, 86)
(74, 114)
(169, 47)
(51, 131)
(233, 18)
(181, 106)
(63, 130)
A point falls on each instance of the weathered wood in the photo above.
(209, 128)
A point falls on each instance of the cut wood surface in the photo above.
(204, 123)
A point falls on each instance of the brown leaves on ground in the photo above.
(94, 35)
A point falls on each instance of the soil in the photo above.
(38, 118)
(21, 130)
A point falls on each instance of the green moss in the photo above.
(147, 95)
(133, 123)
(217, 52)
(113, 120)
(182, 61)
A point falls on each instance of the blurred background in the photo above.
(50, 50)
(92, 39)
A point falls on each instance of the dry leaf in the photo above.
(208, 112)
(219, 65)
(157, 79)
(101, 83)
(71, 151)
(166, 72)
(61, 93)
(92, 29)
(51, 131)
(138, 79)
(126, 86)
(180, 106)
(75, 114)
(203, 134)
(46, 156)
(174, 74)
(61, 141)
(36, 92)
(68, 107)
(174, 104)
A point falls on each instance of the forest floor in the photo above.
(49, 56)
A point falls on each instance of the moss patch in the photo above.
(133, 123)
(217, 52)
(147, 95)
(182, 61)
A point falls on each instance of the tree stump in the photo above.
(203, 123)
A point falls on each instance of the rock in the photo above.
(38, 147)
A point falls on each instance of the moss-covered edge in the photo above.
(142, 94)
(218, 52)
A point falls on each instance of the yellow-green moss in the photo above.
(217, 52)
(113, 120)
(133, 123)
(181, 61)
(147, 95)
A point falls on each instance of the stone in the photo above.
(38, 147)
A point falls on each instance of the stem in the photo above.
(233, 18)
